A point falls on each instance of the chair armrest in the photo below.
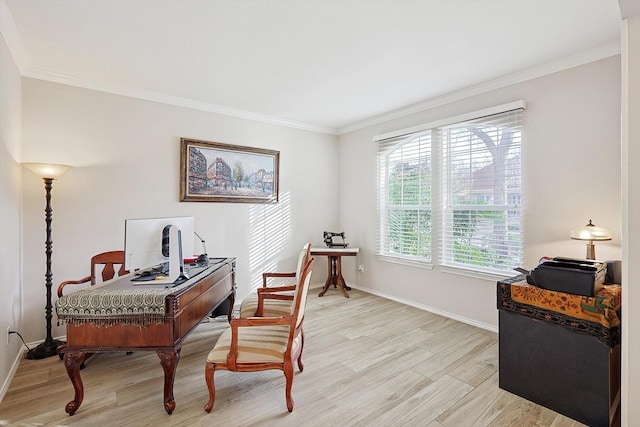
(276, 289)
(249, 322)
(265, 276)
(273, 293)
(72, 282)
(259, 321)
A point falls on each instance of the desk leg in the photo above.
(334, 276)
(339, 279)
(232, 301)
(169, 361)
(330, 277)
(72, 361)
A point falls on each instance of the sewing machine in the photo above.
(330, 239)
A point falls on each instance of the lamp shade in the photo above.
(47, 170)
(590, 232)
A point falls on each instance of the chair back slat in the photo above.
(303, 257)
(300, 294)
(108, 261)
(303, 297)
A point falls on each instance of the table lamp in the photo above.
(48, 172)
(590, 233)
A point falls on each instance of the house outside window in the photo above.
(450, 192)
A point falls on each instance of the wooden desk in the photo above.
(184, 308)
(334, 274)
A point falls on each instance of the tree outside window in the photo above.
(473, 221)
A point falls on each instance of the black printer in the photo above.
(571, 275)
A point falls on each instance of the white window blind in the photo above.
(450, 192)
(404, 169)
(482, 192)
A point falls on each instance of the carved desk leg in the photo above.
(72, 361)
(341, 283)
(232, 301)
(334, 276)
(330, 277)
(169, 361)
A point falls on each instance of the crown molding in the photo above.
(566, 63)
(14, 43)
(172, 100)
(12, 38)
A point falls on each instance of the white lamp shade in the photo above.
(47, 170)
(590, 232)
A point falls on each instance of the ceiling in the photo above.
(324, 65)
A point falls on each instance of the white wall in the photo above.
(10, 134)
(571, 173)
(630, 214)
(126, 158)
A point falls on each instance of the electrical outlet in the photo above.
(8, 333)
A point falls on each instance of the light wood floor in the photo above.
(368, 362)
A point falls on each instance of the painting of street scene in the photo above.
(217, 172)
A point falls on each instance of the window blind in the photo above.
(451, 191)
(482, 192)
(404, 170)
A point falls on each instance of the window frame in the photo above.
(392, 140)
(384, 172)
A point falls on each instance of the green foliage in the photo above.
(468, 249)
(409, 232)
(409, 185)
(479, 236)
(409, 214)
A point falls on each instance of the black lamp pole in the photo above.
(49, 346)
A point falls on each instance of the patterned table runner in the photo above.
(598, 315)
(120, 301)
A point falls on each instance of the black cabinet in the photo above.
(561, 351)
(573, 374)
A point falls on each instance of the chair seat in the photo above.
(272, 307)
(254, 343)
(264, 344)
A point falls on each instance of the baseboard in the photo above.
(12, 373)
(433, 310)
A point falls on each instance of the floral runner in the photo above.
(598, 315)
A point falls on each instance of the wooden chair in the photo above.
(108, 260)
(273, 301)
(261, 343)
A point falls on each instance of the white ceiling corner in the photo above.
(325, 66)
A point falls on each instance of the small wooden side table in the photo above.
(334, 275)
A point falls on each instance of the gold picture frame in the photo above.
(218, 172)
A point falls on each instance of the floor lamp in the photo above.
(48, 172)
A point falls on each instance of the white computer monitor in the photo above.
(143, 240)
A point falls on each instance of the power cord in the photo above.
(22, 339)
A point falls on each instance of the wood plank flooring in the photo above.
(368, 362)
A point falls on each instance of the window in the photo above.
(450, 192)
(406, 193)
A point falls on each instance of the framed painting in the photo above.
(217, 172)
